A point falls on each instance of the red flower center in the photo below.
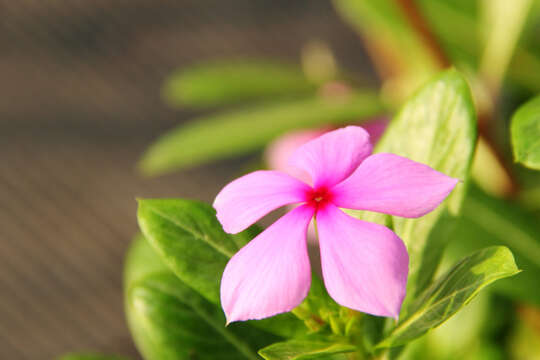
(318, 197)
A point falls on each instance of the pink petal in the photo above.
(333, 156)
(247, 199)
(364, 265)
(279, 151)
(393, 185)
(271, 274)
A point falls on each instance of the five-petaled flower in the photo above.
(364, 265)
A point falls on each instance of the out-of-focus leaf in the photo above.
(461, 31)
(397, 48)
(525, 66)
(305, 350)
(530, 198)
(455, 23)
(525, 129)
(319, 62)
(191, 241)
(437, 127)
(220, 83)
(169, 320)
(525, 69)
(503, 22)
(487, 221)
(524, 342)
(224, 135)
(452, 291)
(488, 171)
(88, 356)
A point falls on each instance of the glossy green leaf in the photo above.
(488, 221)
(437, 127)
(525, 129)
(305, 350)
(220, 83)
(191, 241)
(232, 133)
(169, 320)
(88, 356)
(450, 292)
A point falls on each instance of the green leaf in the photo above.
(305, 349)
(318, 309)
(232, 133)
(452, 291)
(488, 221)
(220, 83)
(169, 320)
(190, 240)
(437, 127)
(525, 129)
(88, 356)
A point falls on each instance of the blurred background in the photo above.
(79, 103)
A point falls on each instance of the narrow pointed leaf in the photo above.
(525, 129)
(306, 349)
(233, 133)
(225, 82)
(436, 127)
(169, 320)
(488, 221)
(450, 292)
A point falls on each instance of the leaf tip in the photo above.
(146, 165)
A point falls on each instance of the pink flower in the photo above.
(365, 265)
(280, 150)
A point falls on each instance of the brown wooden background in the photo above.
(79, 102)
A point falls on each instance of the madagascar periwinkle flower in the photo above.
(364, 265)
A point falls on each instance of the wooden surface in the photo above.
(79, 102)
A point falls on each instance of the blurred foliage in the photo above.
(235, 132)
(450, 292)
(223, 83)
(172, 276)
(487, 220)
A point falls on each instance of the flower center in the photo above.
(318, 197)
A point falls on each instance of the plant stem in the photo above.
(421, 26)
